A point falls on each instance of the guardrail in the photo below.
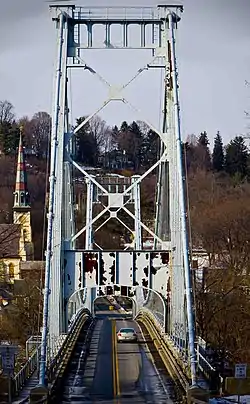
(32, 364)
(175, 361)
(178, 370)
(26, 372)
(57, 366)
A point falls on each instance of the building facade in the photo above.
(16, 244)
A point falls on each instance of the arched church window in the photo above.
(11, 270)
(22, 198)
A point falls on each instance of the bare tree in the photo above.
(39, 131)
(144, 128)
(223, 311)
(108, 143)
(6, 112)
(99, 130)
(101, 134)
(220, 216)
(9, 240)
(223, 227)
(21, 316)
(192, 140)
(26, 124)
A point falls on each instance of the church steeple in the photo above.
(22, 209)
(21, 199)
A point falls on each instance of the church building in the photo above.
(16, 244)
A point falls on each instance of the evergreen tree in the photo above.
(85, 145)
(129, 144)
(124, 126)
(115, 135)
(236, 157)
(218, 153)
(203, 139)
(203, 151)
(135, 145)
(9, 137)
(149, 149)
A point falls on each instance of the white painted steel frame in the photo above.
(89, 215)
(182, 217)
(54, 309)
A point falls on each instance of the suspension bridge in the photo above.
(78, 354)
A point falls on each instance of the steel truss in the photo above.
(170, 222)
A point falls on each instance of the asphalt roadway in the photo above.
(116, 372)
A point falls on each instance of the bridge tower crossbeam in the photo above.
(65, 265)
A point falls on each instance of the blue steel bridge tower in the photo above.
(164, 269)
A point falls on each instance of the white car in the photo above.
(126, 334)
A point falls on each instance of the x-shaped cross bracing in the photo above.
(108, 208)
(116, 94)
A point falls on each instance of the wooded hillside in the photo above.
(218, 191)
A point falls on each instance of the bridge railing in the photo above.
(56, 362)
(142, 296)
(79, 300)
(152, 305)
(26, 372)
(155, 306)
(166, 342)
(177, 368)
(55, 351)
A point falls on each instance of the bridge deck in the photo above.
(112, 370)
(25, 392)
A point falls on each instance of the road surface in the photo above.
(115, 372)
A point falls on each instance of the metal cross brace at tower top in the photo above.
(108, 16)
(170, 220)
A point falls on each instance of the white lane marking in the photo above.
(150, 356)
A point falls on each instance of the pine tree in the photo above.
(115, 135)
(203, 151)
(149, 149)
(124, 126)
(9, 137)
(218, 157)
(236, 158)
(136, 144)
(203, 139)
(85, 144)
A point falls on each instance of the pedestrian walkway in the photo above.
(25, 392)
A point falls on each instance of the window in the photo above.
(11, 270)
(22, 198)
(2, 272)
(195, 264)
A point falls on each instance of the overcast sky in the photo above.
(213, 59)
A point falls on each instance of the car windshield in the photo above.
(127, 330)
